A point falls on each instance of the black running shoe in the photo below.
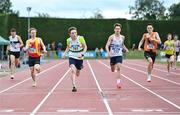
(74, 89)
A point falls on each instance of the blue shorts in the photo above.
(115, 60)
(77, 63)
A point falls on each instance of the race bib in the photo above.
(168, 48)
(32, 50)
(116, 49)
(150, 46)
(74, 47)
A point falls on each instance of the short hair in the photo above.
(150, 24)
(13, 30)
(71, 28)
(117, 24)
(169, 34)
(31, 29)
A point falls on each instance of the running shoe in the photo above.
(74, 89)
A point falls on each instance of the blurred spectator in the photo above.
(101, 51)
(97, 52)
(133, 47)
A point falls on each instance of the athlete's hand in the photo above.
(63, 56)
(127, 51)
(139, 49)
(17, 46)
(109, 54)
(80, 55)
(151, 39)
(45, 51)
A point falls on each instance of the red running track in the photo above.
(97, 93)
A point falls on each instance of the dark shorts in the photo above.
(115, 60)
(177, 53)
(77, 63)
(151, 55)
(16, 54)
(33, 61)
(168, 56)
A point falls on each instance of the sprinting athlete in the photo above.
(115, 47)
(76, 46)
(176, 49)
(14, 50)
(33, 46)
(169, 51)
(151, 40)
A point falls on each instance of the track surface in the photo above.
(97, 93)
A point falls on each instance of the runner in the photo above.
(14, 51)
(176, 49)
(33, 46)
(151, 41)
(169, 51)
(76, 46)
(115, 47)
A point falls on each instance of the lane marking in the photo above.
(52, 67)
(153, 75)
(153, 68)
(161, 97)
(7, 110)
(147, 110)
(100, 90)
(72, 110)
(49, 93)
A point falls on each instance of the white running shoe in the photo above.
(34, 84)
(12, 76)
(149, 78)
(118, 83)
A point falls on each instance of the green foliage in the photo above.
(5, 6)
(174, 11)
(148, 10)
(95, 31)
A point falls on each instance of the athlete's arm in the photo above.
(108, 44)
(158, 40)
(124, 46)
(21, 42)
(85, 48)
(43, 46)
(65, 52)
(164, 46)
(141, 42)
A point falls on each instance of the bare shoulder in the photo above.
(19, 37)
(156, 33)
(111, 37)
(123, 36)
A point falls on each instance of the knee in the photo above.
(77, 73)
(151, 63)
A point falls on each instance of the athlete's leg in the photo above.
(37, 68)
(168, 65)
(149, 69)
(73, 77)
(113, 67)
(118, 65)
(77, 73)
(12, 66)
(175, 59)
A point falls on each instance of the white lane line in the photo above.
(153, 75)
(161, 97)
(153, 68)
(100, 90)
(72, 110)
(49, 93)
(52, 67)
